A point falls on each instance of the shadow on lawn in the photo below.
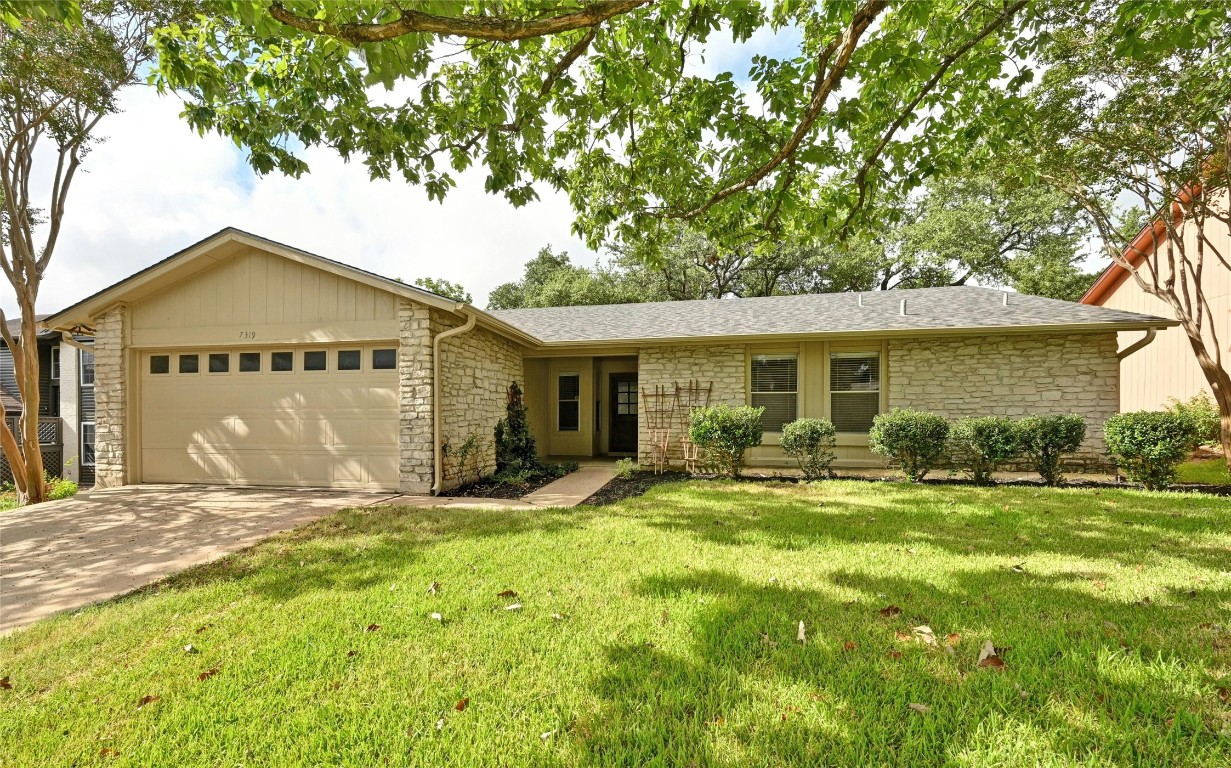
(748, 692)
(359, 548)
(1116, 525)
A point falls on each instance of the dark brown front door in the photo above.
(623, 438)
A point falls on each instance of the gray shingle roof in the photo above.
(927, 309)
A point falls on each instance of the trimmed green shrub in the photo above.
(1203, 414)
(980, 445)
(625, 468)
(1048, 439)
(811, 442)
(516, 451)
(59, 487)
(1149, 445)
(725, 432)
(913, 440)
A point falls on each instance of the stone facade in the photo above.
(476, 370)
(111, 395)
(1011, 375)
(415, 397)
(724, 365)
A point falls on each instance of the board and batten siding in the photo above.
(282, 300)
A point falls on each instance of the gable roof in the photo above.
(929, 311)
(226, 243)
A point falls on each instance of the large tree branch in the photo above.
(497, 29)
(827, 78)
(861, 177)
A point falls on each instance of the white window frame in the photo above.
(55, 363)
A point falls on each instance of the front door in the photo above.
(623, 437)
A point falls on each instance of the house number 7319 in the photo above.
(247, 334)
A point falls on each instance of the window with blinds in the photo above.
(568, 416)
(854, 390)
(775, 387)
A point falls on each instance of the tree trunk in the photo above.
(1220, 383)
(26, 370)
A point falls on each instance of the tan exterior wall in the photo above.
(111, 394)
(724, 365)
(1167, 368)
(476, 370)
(1010, 375)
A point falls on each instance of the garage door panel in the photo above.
(311, 429)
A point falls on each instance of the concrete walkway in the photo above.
(568, 491)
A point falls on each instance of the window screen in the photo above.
(249, 362)
(314, 361)
(219, 362)
(190, 364)
(384, 359)
(87, 444)
(87, 368)
(160, 363)
(854, 390)
(349, 360)
(775, 387)
(570, 402)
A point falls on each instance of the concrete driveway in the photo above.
(65, 554)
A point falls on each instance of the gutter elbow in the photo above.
(1136, 346)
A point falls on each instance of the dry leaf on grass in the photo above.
(546, 736)
(989, 656)
(148, 699)
(108, 752)
(926, 635)
(890, 610)
(372, 628)
(803, 635)
(461, 705)
(849, 646)
(895, 655)
(902, 636)
(506, 594)
(557, 616)
(922, 709)
(953, 638)
(433, 588)
(207, 674)
(5, 684)
(1224, 694)
(513, 607)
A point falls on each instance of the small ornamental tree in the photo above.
(1048, 439)
(1149, 444)
(811, 442)
(725, 432)
(516, 451)
(981, 445)
(913, 440)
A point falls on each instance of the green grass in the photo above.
(8, 500)
(677, 641)
(1204, 471)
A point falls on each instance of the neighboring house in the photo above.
(65, 405)
(243, 361)
(1167, 368)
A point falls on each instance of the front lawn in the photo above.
(1204, 472)
(664, 630)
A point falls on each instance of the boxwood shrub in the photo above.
(1048, 439)
(725, 432)
(980, 445)
(811, 442)
(912, 440)
(1149, 444)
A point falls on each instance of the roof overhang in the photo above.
(230, 242)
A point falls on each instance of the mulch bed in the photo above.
(490, 489)
(640, 482)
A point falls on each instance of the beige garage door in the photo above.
(303, 416)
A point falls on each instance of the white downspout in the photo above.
(437, 468)
(1138, 344)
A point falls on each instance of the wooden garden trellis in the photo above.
(687, 398)
(658, 410)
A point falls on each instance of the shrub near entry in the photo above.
(913, 440)
(811, 442)
(725, 432)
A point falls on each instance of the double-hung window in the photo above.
(568, 409)
(854, 390)
(775, 387)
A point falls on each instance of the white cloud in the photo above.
(155, 187)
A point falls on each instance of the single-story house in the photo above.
(66, 403)
(1168, 368)
(243, 361)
